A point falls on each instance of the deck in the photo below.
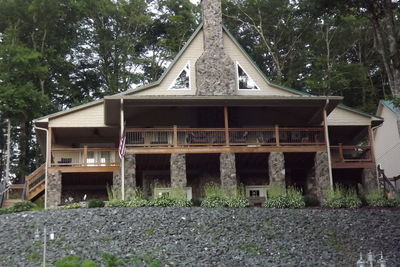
(344, 157)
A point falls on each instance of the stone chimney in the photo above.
(215, 70)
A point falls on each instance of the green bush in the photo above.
(116, 203)
(4, 211)
(71, 206)
(378, 199)
(341, 198)
(169, 201)
(279, 198)
(311, 201)
(75, 261)
(23, 206)
(215, 197)
(96, 203)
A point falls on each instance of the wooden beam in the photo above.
(371, 143)
(226, 123)
(175, 142)
(85, 155)
(352, 165)
(277, 135)
(85, 169)
(223, 149)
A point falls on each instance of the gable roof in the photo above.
(296, 93)
(389, 105)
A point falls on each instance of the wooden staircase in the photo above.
(385, 184)
(33, 188)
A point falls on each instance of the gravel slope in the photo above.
(206, 237)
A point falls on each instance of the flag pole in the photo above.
(123, 157)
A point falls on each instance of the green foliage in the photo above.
(75, 261)
(169, 201)
(342, 198)
(4, 211)
(96, 203)
(378, 199)
(215, 197)
(111, 260)
(127, 203)
(71, 206)
(311, 201)
(279, 198)
(23, 206)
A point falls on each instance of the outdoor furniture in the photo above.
(197, 138)
(240, 138)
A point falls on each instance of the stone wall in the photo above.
(276, 170)
(178, 171)
(318, 180)
(117, 182)
(53, 189)
(228, 171)
(130, 172)
(369, 180)
(215, 70)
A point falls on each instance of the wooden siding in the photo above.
(343, 117)
(387, 144)
(89, 117)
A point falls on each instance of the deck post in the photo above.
(341, 157)
(226, 123)
(277, 137)
(371, 143)
(85, 155)
(175, 136)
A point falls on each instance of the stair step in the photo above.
(10, 202)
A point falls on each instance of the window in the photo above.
(245, 82)
(182, 82)
(254, 193)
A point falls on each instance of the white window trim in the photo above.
(179, 73)
(237, 78)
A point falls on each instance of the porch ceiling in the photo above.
(113, 103)
(347, 135)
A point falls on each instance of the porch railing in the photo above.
(84, 157)
(178, 137)
(343, 154)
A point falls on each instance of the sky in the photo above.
(195, 1)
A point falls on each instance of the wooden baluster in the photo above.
(277, 137)
(85, 155)
(175, 136)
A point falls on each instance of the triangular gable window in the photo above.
(182, 82)
(245, 82)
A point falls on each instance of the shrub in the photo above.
(4, 211)
(342, 198)
(279, 198)
(237, 198)
(96, 203)
(378, 199)
(115, 203)
(23, 206)
(311, 201)
(215, 197)
(169, 201)
(71, 206)
(74, 261)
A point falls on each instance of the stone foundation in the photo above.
(178, 171)
(276, 170)
(53, 189)
(117, 182)
(369, 180)
(228, 171)
(318, 181)
(130, 172)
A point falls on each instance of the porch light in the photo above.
(51, 236)
(361, 262)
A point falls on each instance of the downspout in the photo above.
(123, 158)
(328, 147)
(373, 151)
(47, 163)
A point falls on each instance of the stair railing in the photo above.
(384, 181)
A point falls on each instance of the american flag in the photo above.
(122, 148)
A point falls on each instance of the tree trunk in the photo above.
(8, 153)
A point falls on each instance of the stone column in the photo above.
(276, 170)
(369, 180)
(228, 171)
(130, 172)
(53, 189)
(117, 180)
(178, 171)
(318, 182)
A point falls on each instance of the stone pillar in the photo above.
(130, 172)
(117, 180)
(228, 171)
(53, 189)
(318, 181)
(215, 70)
(178, 171)
(369, 180)
(276, 170)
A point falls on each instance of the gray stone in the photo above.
(53, 189)
(215, 70)
(369, 179)
(228, 171)
(117, 183)
(321, 176)
(276, 170)
(178, 171)
(130, 172)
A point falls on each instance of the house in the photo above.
(387, 141)
(212, 117)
